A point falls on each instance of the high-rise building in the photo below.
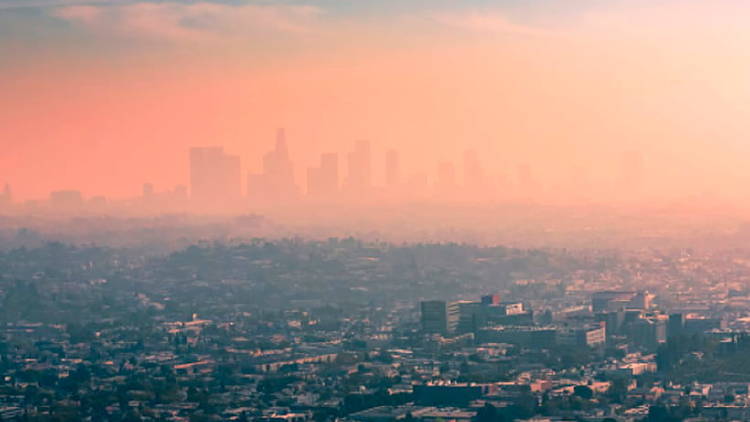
(323, 181)
(676, 325)
(215, 177)
(642, 300)
(587, 336)
(439, 317)
(358, 180)
(392, 169)
(649, 330)
(276, 182)
(471, 316)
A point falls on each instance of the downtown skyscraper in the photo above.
(215, 177)
(323, 181)
(276, 181)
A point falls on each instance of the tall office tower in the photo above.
(323, 181)
(278, 168)
(392, 169)
(471, 316)
(215, 177)
(276, 182)
(439, 317)
(358, 180)
(676, 325)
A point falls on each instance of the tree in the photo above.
(618, 390)
(489, 413)
(583, 392)
(660, 413)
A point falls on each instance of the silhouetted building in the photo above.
(323, 181)
(276, 182)
(215, 177)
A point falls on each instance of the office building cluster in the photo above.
(219, 182)
(215, 177)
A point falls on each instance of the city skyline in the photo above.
(374, 211)
(94, 92)
(217, 176)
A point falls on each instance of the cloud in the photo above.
(40, 4)
(189, 21)
(486, 22)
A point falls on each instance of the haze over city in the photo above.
(560, 102)
(374, 211)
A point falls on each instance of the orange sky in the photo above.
(108, 97)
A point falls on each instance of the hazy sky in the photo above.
(105, 95)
